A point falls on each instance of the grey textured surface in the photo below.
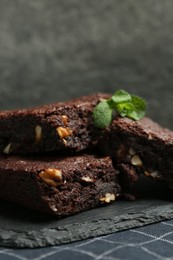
(30, 232)
(21, 228)
(56, 49)
(151, 242)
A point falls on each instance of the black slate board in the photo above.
(21, 228)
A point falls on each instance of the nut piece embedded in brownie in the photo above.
(63, 127)
(143, 145)
(58, 186)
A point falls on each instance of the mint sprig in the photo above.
(125, 104)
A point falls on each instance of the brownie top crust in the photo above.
(38, 163)
(144, 127)
(84, 102)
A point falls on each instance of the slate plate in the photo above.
(21, 228)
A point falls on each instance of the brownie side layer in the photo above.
(58, 187)
(63, 127)
(143, 145)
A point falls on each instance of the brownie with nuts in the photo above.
(142, 146)
(58, 186)
(63, 127)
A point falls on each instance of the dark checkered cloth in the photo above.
(149, 242)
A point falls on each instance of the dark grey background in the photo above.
(52, 50)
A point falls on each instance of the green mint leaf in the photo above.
(134, 109)
(125, 104)
(120, 96)
(134, 115)
(102, 115)
(140, 107)
(125, 109)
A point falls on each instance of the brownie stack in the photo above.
(44, 163)
(50, 156)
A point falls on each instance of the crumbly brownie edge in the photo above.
(59, 191)
(143, 145)
(64, 127)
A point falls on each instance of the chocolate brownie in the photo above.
(63, 127)
(143, 145)
(58, 186)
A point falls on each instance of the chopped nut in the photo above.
(64, 119)
(64, 141)
(87, 179)
(7, 149)
(132, 151)
(64, 132)
(148, 174)
(108, 197)
(150, 137)
(38, 133)
(53, 207)
(52, 177)
(136, 160)
(154, 174)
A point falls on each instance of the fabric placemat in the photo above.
(148, 242)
